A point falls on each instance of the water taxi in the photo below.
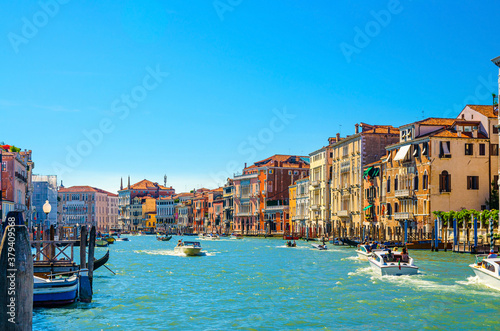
(387, 263)
(364, 252)
(487, 270)
(320, 247)
(189, 248)
(236, 236)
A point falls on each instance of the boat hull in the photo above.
(188, 251)
(486, 278)
(362, 255)
(55, 293)
(393, 269)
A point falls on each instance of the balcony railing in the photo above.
(315, 183)
(315, 207)
(407, 193)
(274, 208)
(403, 216)
(343, 213)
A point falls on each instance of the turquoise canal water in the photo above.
(259, 284)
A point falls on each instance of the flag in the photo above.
(399, 264)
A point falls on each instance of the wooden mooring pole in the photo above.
(16, 276)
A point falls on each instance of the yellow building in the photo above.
(151, 221)
(292, 194)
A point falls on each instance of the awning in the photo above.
(402, 153)
(369, 206)
(367, 171)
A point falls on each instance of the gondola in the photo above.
(166, 238)
(102, 261)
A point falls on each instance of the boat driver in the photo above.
(492, 254)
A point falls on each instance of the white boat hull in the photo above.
(485, 277)
(362, 255)
(189, 251)
(393, 269)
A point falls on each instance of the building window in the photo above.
(473, 182)
(444, 149)
(445, 182)
(425, 149)
(389, 184)
(469, 149)
(495, 182)
(415, 182)
(270, 171)
(482, 149)
(494, 149)
(389, 210)
(495, 129)
(396, 183)
(425, 181)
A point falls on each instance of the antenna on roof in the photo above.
(165, 180)
(423, 116)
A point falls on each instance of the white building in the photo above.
(165, 214)
(302, 205)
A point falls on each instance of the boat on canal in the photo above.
(164, 238)
(189, 248)
(101, 243)
(364, 252)
(487, 270)
(55, 292)
(387, 263)
(236, 236)
(319, 247)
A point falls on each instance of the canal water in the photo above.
(259, 284)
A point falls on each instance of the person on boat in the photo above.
(404, 256)
(492, 254)
(294, 244)
(180, 243)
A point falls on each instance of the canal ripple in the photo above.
(259, 284)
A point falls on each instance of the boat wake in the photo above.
(171, 253)
(352, 258)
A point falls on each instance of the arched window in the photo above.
(388, 184)
(396, 207)
(425, 181)
(389, 210)
(415, 182)
(396, 183)
(445, 182)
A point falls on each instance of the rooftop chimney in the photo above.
(474, 133)
(245, 164)
(337, 137)
(356, 128)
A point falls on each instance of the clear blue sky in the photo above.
(232, 66)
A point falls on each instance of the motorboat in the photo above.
(165, 238)
(388, 263)
(291, 244)
(212, 236)
(319, 247)
(487, 270)
(236, 236)
(364, 251)
(55, 292)
(189, 248)
(123, 239)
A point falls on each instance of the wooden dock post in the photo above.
(52, 250)
(90, 263)
(83, 244)
(16, 277)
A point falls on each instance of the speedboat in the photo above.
(236, 236)
(387, 263)
(487, 270)
(54, 292)
(212, 236)
(319, 247)
(364, 252)
(189, 248)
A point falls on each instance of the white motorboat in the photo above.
(364, 252)
(487, 270)
(236, 236)
(189, 248)
(319, 247)
(212, 236)
(387, 263)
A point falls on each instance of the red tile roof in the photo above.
(448, 133)
(379, 129)
(438, 121)
(488, 111)
(287, 161)
(147, 184)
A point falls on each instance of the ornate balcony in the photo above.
(403, 194)
(343, 213)
(315, 183)
(403, 216)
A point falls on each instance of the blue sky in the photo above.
(194, 90)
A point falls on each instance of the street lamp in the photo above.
(46, 209)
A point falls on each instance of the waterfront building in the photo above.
(184, 211)
(82, 205)
(148, 207)
(150, 221)
(140, 189)
(302, 213)
(350, 155)
(292, 195)
(261, 193)
(112, 219)
(319, 190)
(215, 203)
(17, 187)
(200, 212)
(228, 205)
(165, 213)
(440, 164)
(44, 189)
(374, 196)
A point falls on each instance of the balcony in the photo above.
(315, 206)
(403, 216)
(343, 213)
(402, 194)
(276, 208)
(20, 207)
(315, 183)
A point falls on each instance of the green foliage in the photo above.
(494, 201)
(176, 200)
